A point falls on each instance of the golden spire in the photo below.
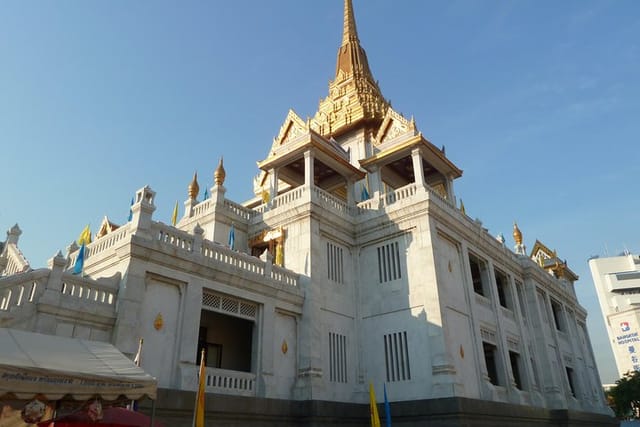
(354, 95)
(517, 234)
(194, 188)
(219, 174)
(352, 58)
(349, 32)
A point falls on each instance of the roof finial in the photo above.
(194, 188)
(520, 249)
(517, 234)
(219, 174)
(349, 32)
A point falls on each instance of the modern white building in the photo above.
(617, 281)
(353, 264)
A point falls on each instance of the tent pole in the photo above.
(153, 412)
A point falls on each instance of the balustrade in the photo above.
(172, 236)
(18, 290)
(88, 290)
(328, 201)
(221, 381)
(239, 210)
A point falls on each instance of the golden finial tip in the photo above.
(517, 234)
(220, 174)
(194, 188)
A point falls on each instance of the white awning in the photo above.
(33, 364)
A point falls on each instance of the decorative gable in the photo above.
(106, 227)
(292, 127)
(394, 126)
(541, 253)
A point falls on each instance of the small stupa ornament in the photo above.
(519, 248)
(219, 174)
(194, 188)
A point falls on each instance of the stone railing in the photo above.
(172, 236)
(21, 289)
(434, 195)
(248, 263)
(230, 382)
(231, 258)
(107, 241)
(289, 197)
(201, 208)
(399, 194)
(16, 262)
(88, 290)
(365, 205)
(239, 210)
(283, 275)
(220, 381)
(329, 201)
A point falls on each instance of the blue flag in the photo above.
(232, 237)
(365, 194)
(206, 194)
(77, 268)
(130, 211)
(387, 409)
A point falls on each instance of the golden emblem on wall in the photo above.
(285, 347)
(158, 323)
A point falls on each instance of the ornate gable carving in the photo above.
(393, 126)
(292, 127)
(106, 227)
(541, 253)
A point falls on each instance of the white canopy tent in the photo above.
(35, 364)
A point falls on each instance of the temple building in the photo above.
(355, 263)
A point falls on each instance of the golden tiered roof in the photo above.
(354, 95)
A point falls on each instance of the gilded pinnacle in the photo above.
(517, 234)
(194, 188)
(220, 174)
(349, 32)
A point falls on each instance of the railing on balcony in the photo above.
(22, 289)
(88, 290)
(329, 201)
(16, 262)
(107, 241)
(288, 197)
(283, 275)
(172, 236)
(238, 209)
(222, 381)
(235, 259)
(401, 193)
(201, 208)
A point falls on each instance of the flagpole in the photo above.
(387, 408)
(198, 413)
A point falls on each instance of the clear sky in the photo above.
(538, 102)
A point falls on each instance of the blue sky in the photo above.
(536, 100)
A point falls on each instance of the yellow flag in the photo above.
(375, 419)
(85, 236)
(174, 217)
(279, 255)
(198, 415)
